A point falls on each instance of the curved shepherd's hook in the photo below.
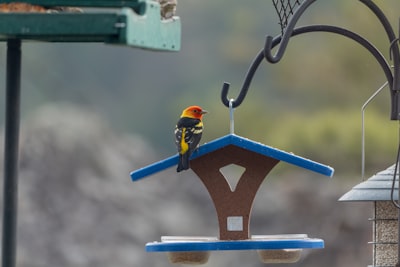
(313, 28)
(266, 52)
(392, 78)
(246, 84)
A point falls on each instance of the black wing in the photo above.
(191, 129)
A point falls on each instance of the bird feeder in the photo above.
(378, 189)
(135, 23)
(234, 206)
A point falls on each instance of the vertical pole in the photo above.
(398, 217)
(11, 139)
(398, 193)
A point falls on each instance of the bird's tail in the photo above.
(183, 163)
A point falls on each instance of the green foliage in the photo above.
(308, 103)
(334, 137)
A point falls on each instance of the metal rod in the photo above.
(396, 75)
(231, 119)
(394, 49)
(363, 128)
(11, 139)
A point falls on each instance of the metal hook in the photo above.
(243, 92)
(285, 36)
(266, 53)
(363, 108)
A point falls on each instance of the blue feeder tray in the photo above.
(270, 242)
(271, 248)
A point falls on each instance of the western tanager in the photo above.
(188, 132)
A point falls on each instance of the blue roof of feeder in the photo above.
(241, 142)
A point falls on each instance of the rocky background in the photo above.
(78, 206)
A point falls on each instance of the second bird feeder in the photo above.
(234, 206)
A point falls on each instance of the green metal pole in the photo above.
(11, 140)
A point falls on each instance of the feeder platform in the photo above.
(271, 248)
(257, 242)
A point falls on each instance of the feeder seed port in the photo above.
(191, 258)
(279, 255)
(266, 256)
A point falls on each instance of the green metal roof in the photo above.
(134, 23)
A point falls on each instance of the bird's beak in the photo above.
(204, 111)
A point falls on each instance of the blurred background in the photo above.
(91, 113)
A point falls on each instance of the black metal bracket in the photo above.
(393, 78)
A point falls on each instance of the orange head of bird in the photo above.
(194, 112)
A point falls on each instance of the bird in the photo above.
(188, 131)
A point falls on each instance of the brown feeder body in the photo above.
(233, 208)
